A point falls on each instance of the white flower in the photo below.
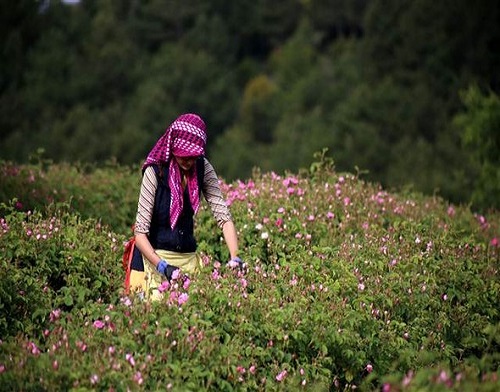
(264, 235)
(258, 226)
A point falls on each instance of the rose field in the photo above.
(347, 286)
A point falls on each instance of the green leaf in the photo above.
(68, 300)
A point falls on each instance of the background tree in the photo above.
(376, 82)
(480, 128)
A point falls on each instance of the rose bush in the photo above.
(347, 285)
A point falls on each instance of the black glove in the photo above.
(166, 269)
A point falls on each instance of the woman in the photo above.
(174, 175)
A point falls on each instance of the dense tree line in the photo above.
(406, 90)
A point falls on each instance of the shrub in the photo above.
(49, 262)
(107, 193)
(347, 286)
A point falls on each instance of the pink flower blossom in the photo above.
(330, 215)
(369, 368)
(33, 348)
(94, 379)
(281, 375)
(130, 359)
(494, 242)
(164, 286)
(407, 378)
(186, 284)
(98, 324)
(182, 298)
(174, 297)
(290, 181)
(443, 376)
(241, 369)
(233, 264)
(347, 201)
(138, 378)
(175, 274)
(81, 345)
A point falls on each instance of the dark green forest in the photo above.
(404, 92)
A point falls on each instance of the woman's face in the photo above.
(185, 163)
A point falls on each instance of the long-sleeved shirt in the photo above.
(211, 191)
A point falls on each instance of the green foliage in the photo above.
(347, 285)
(108, 192)
(59, 261)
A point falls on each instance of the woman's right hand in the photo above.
(166, 269)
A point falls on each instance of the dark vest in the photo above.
(161, 235)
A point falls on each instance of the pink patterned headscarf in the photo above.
(185, 137)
